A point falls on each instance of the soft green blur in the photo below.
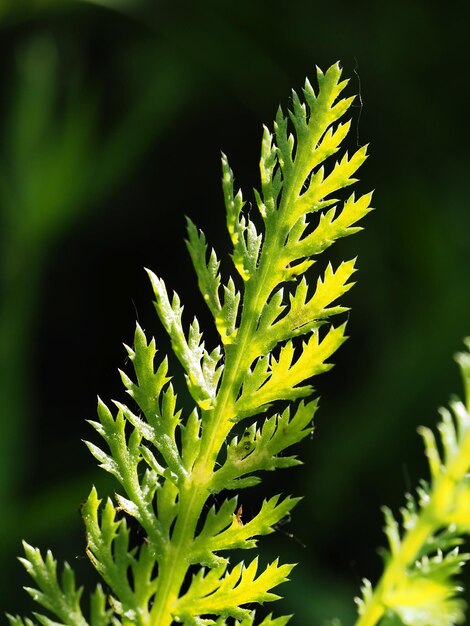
(113, 115)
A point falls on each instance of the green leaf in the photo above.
(418, 585)
(279, 378)
(426, 596)
(221, 593)
(226, 529)
(245, 238)
(278, 433)
(16, 620)
(61, 598)
(275, 335)
(190, 351)
(109, 551)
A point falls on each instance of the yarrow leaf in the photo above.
(418, 586)
(275, 335)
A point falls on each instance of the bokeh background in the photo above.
(112, 118)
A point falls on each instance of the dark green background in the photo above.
(112, 122)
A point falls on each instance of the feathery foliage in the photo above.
(276, 333)
(418, 586)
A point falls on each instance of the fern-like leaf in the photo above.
(275, 335)
(418, 586)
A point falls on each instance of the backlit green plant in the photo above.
(275, 335)
(418, 585)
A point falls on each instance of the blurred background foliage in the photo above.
(113, 114)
